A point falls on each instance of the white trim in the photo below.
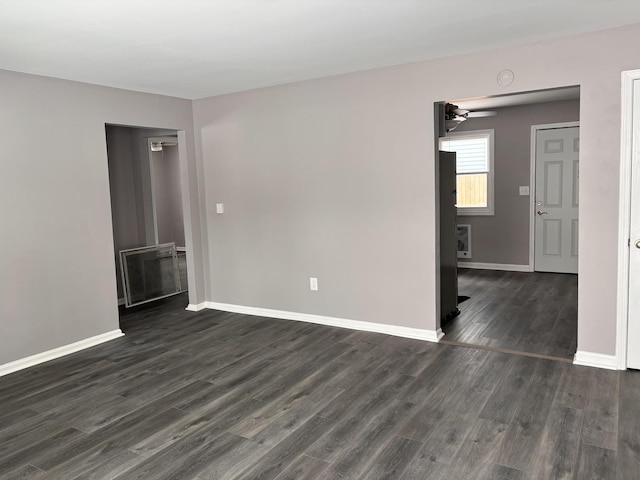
(27, 362)
(196, 307)
(598, 360)
(121, 301)
(398, 331)
(624, 215)
(496, 266)
(532, 184)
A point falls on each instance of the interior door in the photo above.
(633, 332)
(556, 200)
(448, 237)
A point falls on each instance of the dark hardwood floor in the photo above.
(214, 395)
(529, 312)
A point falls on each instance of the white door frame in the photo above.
(532, 185)
(624, 212)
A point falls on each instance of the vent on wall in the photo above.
(464, 241)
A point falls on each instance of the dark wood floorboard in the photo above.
(214, 395)
(530, 312)
(628, 440)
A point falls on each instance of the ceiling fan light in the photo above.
(482, 114)
(452, 123)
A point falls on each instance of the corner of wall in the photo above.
(597, 360)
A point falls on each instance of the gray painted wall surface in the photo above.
(335, 178)
(124, 185)
(504, 237)
(57, 285)
(166, 173)
(331, 178)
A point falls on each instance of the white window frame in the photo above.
(489, 134)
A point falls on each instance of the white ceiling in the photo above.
(198, 48)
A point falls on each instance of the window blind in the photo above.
(472, 153)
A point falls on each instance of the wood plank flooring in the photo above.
(214, 395)
(530, 312)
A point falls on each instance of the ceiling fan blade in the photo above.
(485, 113)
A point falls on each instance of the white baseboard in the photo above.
(507, 267)
(196, 307)
(398, 331)
(27, 362)
(598, 360)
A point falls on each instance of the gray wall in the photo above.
(504, 237)
(166, 177)
(57, 284)
(335, 178)
(125, 183)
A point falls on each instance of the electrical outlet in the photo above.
(313, 284)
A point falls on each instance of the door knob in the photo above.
(637, 244)
(539, 212)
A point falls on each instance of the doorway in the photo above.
(628, 321)
(146, 203)
(504, 303)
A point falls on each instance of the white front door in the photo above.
(633, 333)
(556, 200)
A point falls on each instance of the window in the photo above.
(474, 167)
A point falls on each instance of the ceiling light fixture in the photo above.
(453, 122)
(453, 117)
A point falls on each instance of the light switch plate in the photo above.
(524, 190)
(219, 207)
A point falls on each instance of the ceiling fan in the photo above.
(454, 116)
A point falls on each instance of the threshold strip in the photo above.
(505, 350)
